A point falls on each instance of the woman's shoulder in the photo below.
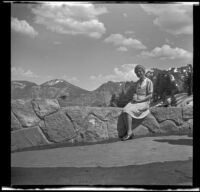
(148, 80)
(137, 82)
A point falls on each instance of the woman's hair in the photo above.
(139, 67)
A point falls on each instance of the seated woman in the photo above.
(138, 108)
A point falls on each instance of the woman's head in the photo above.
(140, 71)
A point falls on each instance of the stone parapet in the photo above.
(44, 122)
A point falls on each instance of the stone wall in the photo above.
(43, 122)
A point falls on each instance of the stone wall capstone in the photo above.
(30, 137)
(24, 112)
(43, 122)
(15, 124)
(168, 126)
(58, 127)
(169, 113)
(187, 113)
(44, 107)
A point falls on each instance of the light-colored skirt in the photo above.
(137, 110)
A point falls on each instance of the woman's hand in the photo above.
(135, 99)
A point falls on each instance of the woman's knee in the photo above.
(124, 110)
(127, 115)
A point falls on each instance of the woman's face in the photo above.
(140, 73)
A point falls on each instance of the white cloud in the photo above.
(56, 42)
(23, 26)
(124, 73)
(69, 79)
(169, 41)
(125, 15)
(20, 72)
(47, 78)
(122, 49)
(166, 52)
(129, 32)
(120, 40)
(173, 18)
(71, 18)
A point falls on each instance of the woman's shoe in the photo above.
(127, 137)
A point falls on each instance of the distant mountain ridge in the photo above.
(108, 94)
(50, 89)
(103, 95)
(21, 89)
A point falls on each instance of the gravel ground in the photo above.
(166, 173)
(163, 160)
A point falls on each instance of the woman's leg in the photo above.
(124, 124)
(129, 124)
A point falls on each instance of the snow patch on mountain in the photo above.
(54, 81)
(19, 85)
(175, 70)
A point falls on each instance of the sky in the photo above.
(88, 44)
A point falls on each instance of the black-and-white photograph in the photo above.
(101, 94)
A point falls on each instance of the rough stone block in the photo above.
(106, 116)
(95, 129)
(169, 126)
(77, 115)
(58, 127)
(24, 112)
(30, 137)
(167, 113)
(44, 107)
(15, 125)
(187, 125)
(140, 130)
(187, 113)
(151, 123)
(190, 122)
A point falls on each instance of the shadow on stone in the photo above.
(65, 144)
(154, 174)
(177, 141)
(121, 127)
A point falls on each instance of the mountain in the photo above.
(105, 95)
(171, 81)
(166, 83)
(69, 94)
(22, 89)
(50, 89)
(120, 92)
(61, 88)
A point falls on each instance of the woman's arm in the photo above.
(147, 98)
(149, 93)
